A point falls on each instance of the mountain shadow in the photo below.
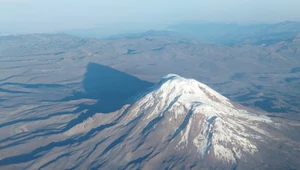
(112, 88)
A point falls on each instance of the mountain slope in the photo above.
(201, 118)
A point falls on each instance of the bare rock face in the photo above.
(177, 124)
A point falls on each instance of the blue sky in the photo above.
(53, 15)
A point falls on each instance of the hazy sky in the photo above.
(51, 15)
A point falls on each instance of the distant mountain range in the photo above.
(221, 33)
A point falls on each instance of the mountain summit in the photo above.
(193, 118)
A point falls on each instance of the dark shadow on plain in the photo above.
(112, 88)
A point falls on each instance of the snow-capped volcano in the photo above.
(199, 118)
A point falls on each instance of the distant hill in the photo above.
(234, 33)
